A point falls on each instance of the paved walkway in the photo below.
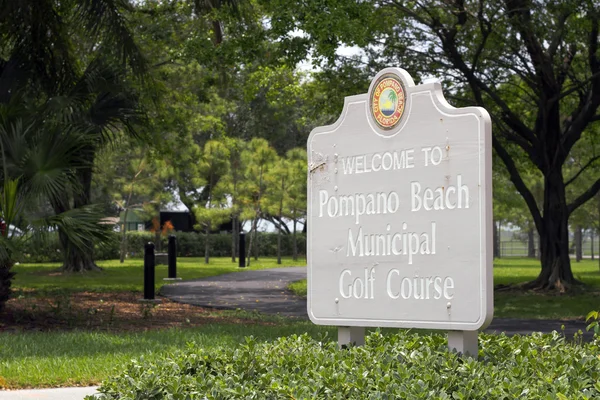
(265, 291)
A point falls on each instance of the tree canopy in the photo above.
(534, 65)
(208, 97)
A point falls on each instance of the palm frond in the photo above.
(9, 247)
(105, 21)
(40, 45)
(45, 157)
(81, 225)
(100, 104)
(10, 204)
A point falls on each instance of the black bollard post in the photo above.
(149, 271)
(172, 257)
(242, 250)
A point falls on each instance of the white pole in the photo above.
(463, 342)
(351, 335)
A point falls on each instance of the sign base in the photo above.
(351, 335)
(464, 342)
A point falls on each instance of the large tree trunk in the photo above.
(554, 238)
(531, 243)
(76, 259)
(6, 276)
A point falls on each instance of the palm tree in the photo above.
(67, 59)
(101, 106)
(38, 160)
(44, 42)
(393, 98)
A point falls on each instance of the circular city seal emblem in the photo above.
(387, 101)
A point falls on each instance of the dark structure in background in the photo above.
(181, 220)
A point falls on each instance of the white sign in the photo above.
(400, 212)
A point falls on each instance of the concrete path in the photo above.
(75, 393)
(265, 291)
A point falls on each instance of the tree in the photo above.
(279, 180)
(214, 210)
(233, 183)
(103, 107)
(70, 59)
(296, 196)
(535, 66)
(582, 219)
(258, 157)
(37, 160)
(130, 175)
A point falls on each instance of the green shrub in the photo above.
(395, 366)
(47, 250)
(189, 244)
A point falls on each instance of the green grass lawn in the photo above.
(129, 276)
(539, 305)
(49, 359)
(52, 359)
(516, 270)
(513, 304)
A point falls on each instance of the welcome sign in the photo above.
(399, 211)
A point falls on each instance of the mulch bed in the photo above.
(114, 312)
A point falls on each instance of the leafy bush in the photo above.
(189, 244)
(395, 366)
(593, 318)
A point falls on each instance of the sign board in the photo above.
(400, 211)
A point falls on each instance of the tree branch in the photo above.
(585, 113)
(578, 86)
(486, 29)
(516, 179)
(514, 138)
(279, 224)
(586, 166)
(559, 32)
(519, 10)
(585, 196)
(510, 118)
(565, 67)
